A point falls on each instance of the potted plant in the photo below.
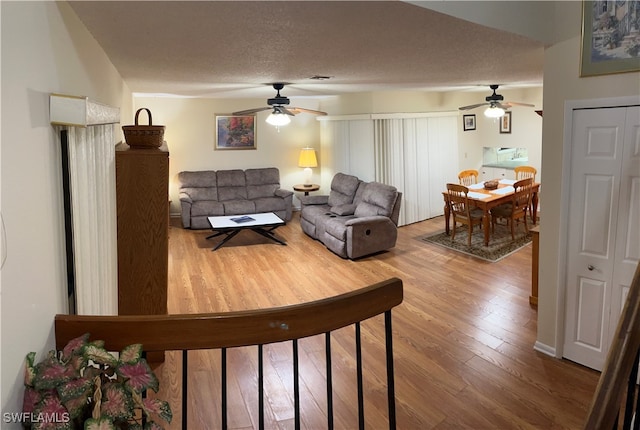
(85, 386)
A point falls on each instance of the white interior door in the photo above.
(602, 239)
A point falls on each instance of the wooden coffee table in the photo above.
(229, 225)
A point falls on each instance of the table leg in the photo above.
(447, 213)
(226, 239)
(534, 204)
(486, 225)
(268, 234)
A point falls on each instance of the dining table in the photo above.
(486, 200)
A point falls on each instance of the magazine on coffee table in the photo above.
(242, 219)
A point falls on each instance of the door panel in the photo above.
(596, 162)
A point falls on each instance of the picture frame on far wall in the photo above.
(505, 123)
(610, 38)
(468, 122)
(235, 132)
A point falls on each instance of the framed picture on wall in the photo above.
(235, 132)
(610, 42)
(505, 123)
(469, 122)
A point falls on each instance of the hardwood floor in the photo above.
(463, 337)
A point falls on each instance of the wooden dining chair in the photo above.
(468, 177)
(516, 210)
(524, 172)
(463, 212)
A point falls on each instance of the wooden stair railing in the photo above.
(185, 332)
(620, 372)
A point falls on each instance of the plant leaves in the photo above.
(99, 355)
(139, 376)
(29, 369)
(51, 373)
(74, 347)
(158, 407)
(30, 399)
(75, 388)
(116, 402)
(51, 415)
(103, 423)
(131, 354)
(77, 406)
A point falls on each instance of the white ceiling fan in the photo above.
(497, 105)
(281, 112)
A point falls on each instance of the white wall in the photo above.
(562, 82)
(190, 135)
(45, 49)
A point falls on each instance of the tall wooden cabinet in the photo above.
(142, 188)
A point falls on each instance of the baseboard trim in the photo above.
(545, 349)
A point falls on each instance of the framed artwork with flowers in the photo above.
(235, 132)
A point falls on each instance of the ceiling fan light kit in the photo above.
(280, 115)
(497, 105)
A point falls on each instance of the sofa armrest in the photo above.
(314, 200)
(367, 235)
(283, 193)
(184, 197)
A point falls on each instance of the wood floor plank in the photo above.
(463, 337)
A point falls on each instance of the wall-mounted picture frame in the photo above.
(468, 122)
(505, 123)
(610, 41)
(235, 132)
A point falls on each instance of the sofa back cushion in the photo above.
(377, 199)
(231, 185)
(199, 185)
(343, 189)
(262, 182)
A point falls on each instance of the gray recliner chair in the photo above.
(356, 219)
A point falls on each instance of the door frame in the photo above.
(569, 107)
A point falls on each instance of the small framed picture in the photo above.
(235, 132)
(505, 123)
(469, 122)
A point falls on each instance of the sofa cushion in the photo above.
(262, 182)
(239, 207)
(377, 199)
(209, 193)
(343, 189)
(207, 208)
(202, 179)
(347, 209)
(270, 204)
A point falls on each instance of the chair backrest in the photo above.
(231, 330)
(523, 194)
(524, 172)
(457, 196)
(468, 177)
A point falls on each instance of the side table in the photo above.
(307, 188)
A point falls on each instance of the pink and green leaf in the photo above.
(29, 369)
(74, 346)
(30, 399)
(57, 416)
(139, 376)
(102, 423)
(131, 354)
(76, 406)
(51, 373)
(158, 407)
(75, 388)
(99, 355)
(116, 402)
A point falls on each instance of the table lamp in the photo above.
(307, 160)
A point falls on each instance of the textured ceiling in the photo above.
(232, 49)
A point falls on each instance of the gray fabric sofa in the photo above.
(356, 219)
(231, 192)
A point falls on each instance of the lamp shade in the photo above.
(307, 158)
(278, 118)
(494, 112)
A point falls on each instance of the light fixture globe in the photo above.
(494, 112)
(278, 119)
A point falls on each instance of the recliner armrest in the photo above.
(314, 200)
(184, 197)
(375, 219)
(283, 193)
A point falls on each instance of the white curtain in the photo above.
(93, 205)
(416, 155)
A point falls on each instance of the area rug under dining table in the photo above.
(500, 244)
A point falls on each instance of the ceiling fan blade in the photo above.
(250, 111)
(503, 106)
(473, 106)
(297, 110)
(518, 104)
(283, 109)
